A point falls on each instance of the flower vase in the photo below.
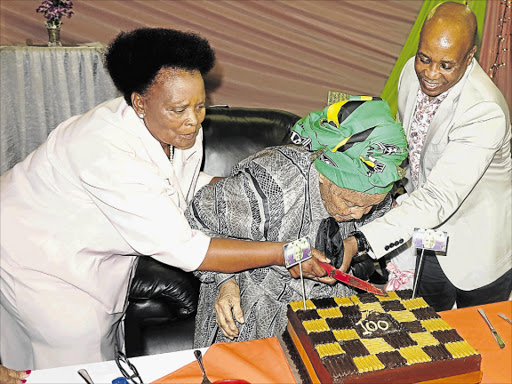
(53, 36)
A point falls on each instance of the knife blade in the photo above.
(349, 279)
(502, 315)
(498, 338)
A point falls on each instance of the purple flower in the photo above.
(54, 10)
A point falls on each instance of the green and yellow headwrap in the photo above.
(355, 143)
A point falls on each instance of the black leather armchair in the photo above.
(163, 299)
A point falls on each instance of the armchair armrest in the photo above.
(162, 293)
(161, 311)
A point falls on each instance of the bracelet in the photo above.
(362, 244)
(296, 252)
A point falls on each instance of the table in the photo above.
(150, 368)
(496, 362)
(42, 86)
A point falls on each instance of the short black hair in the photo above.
(133, 59)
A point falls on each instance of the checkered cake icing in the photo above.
(366, 333)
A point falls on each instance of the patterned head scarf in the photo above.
(355, 143)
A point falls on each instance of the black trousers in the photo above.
(441, 294)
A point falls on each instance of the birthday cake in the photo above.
(369, 338)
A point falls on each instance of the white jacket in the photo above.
(465, 181)
(99, 188)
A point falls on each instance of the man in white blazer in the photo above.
(459, 172)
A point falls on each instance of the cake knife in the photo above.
(498, 338)
(502, 315)
(349, 279)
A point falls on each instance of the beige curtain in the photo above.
(271, 53)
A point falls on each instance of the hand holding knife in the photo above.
(349, 279)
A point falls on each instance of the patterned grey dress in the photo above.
(273, 195)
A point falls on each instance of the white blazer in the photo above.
(465, 181)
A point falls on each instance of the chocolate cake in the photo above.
(369, 338)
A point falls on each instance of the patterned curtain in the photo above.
(495, 54)
(284, 54)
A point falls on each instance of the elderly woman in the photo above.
(337, 180)
(104, 188)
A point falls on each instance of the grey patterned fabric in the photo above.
(273, 195)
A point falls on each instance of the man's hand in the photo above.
(11, 376)
(228, 299)
(350, 244)
(312, 270)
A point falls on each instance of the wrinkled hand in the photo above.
(350, 244)
(227, 307)
(11, 376)
(312, 270)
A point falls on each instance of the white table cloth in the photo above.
(150, 368)
(40, 87)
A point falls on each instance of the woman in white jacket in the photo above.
(106, 187)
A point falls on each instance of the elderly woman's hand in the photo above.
(11, 376)
(228, 309)
(350, 244)
(312, 270)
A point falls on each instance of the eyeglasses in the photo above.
(127, 368)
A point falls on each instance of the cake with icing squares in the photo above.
(367, 338)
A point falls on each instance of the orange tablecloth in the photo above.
(257, 361)
(496, 362)
(263, 361)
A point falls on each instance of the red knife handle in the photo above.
(328, 267)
